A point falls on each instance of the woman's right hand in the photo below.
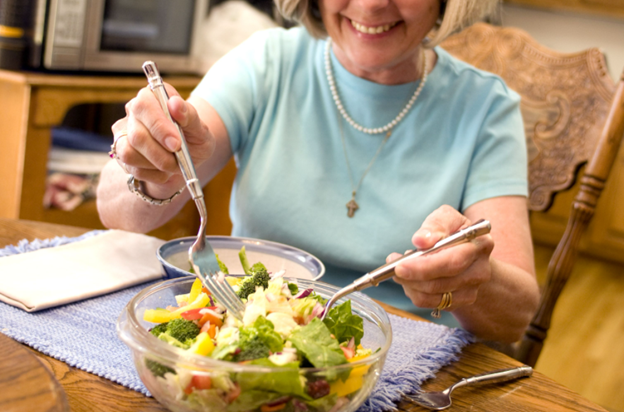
(146, 139)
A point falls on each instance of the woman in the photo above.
(374, 117)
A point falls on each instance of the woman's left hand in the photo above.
(460, 270)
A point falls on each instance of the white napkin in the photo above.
(95, 266)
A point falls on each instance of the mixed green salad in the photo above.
(281, 328)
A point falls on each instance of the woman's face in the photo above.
(379, 39)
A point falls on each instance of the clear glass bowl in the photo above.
(349, 384)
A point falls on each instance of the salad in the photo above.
(281, 329)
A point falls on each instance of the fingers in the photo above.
(461, 269)
(152, 138)
(463, 297)
(139, 151)
(464, 286)
(439, 224)
(147, 117)
(473, 271)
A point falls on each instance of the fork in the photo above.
(441, 400)
(201, 255)
(385, 272)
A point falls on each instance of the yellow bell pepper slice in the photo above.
(355, 380)
(203, 345)
(233, 280)
(163, 315)
(157, 315)
(200, 302)
(195, 290)
(351, 385)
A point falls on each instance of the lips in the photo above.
(372, 29)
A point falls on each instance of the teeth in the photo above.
(372, 30)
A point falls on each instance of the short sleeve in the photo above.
(237, 85)
(499, 163)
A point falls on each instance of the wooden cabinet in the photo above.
(30, 105)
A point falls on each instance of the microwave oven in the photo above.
(101, 35)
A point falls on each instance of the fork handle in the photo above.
(386, 271)
(496, 376)
(183, 155)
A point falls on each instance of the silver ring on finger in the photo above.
(113, 151)
(445, 303)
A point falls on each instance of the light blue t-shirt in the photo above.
(462, 142)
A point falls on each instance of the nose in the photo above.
(372, 6)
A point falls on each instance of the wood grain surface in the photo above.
(87, 392)
(25, 383)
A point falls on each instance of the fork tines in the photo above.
(225, 294)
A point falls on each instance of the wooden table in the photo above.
(87, 392)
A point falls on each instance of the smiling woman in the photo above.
(453, 15)
(355, 136)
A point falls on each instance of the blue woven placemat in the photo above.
(83, 335)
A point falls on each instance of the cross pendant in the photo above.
(352, 206)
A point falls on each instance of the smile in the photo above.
(372, 30)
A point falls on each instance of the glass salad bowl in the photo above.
(184, 381)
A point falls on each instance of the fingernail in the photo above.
(171, 143)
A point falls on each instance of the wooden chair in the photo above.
(573, 116)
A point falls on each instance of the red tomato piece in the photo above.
(192, 314)
(198, 382)
(349, 353)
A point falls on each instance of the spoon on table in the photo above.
(438, 401)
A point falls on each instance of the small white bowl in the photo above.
(297, 263)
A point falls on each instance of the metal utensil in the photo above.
(201, 255)
(442, 400)
(386, 271)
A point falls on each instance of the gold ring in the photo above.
(113, 151)
(445, 303)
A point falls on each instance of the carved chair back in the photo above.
(573, 115)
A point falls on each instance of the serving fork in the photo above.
(386, 271)
(201, 254)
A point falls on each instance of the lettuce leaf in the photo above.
(323, 404)
(314, 341)
(283, 382)
(251, 400)
(343, 324)
(206, 400)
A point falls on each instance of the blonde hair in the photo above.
(458, 14)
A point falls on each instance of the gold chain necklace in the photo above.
(352, 205)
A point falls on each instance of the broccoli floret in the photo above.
(165, 337)
(258, 268)
(158, 369)
(259, 278)
(253, 348)
(158, 329)
(294, 289)
(182, 329)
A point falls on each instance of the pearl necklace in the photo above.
(345, 115)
